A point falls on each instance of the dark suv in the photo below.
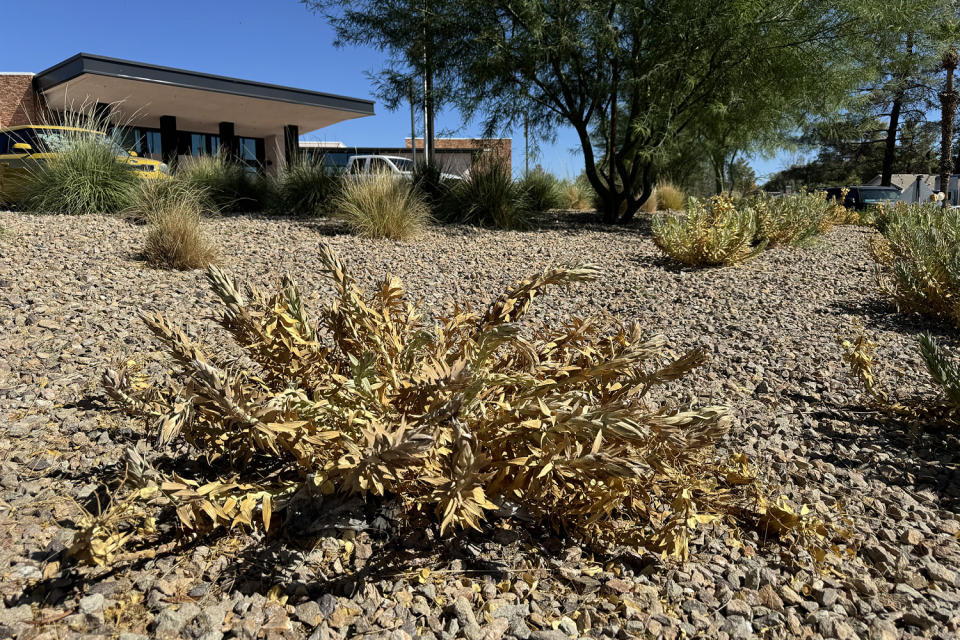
(864, 196)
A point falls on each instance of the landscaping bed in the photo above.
(71, 289)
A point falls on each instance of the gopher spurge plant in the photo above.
(793, 220)
(713, 234)
(450, 421)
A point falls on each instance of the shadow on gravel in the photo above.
(918, 458)
(880, 314)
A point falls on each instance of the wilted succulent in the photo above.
(712, 234)
(451, 420)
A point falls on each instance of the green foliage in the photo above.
(85, 176)
(918, 255)
(307, 187)
(429, 181)
(381, 206)
(945, 373)
(154, 195)
(543, 189)
(713, 234)
(231, 186)
(793, 220)
(577, 194)
(489, 196)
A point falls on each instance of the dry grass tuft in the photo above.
(669, 197)
(174, 237)
(382, 206)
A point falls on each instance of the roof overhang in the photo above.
(200, 101)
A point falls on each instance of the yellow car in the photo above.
(25, 146)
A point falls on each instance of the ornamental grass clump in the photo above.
(918, 258)
(85, 173)
(489, 196)
(232, 187)
(455, 423)
(715, 233)
(175, 239)
(793, 220)
(543, 190)
(381, 205)
(669, 197)
(307, 188)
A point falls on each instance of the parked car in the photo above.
(24, 147)
(864, 196)
(366, 165)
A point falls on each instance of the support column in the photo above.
(168, 139)
(229, 146)
(291, 142)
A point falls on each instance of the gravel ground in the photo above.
(70, 290)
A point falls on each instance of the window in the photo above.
(358, 165)
(379, 165)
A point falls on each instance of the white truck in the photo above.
(368, 165)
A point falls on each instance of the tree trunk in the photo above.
(948, 106)
(890, 147)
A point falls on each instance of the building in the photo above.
(169, 114)
(455, 155)
(913, 187)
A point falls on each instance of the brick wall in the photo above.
(501, 148)
(18, 102)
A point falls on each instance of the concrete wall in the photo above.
(18, 101)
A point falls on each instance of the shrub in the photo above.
(575, 197)
(543, 190)
(154, 195)
(429, 181)
(669, 197)
(651, 204)
(382, 206)
(490, 197)
(174, 238)
(793, 220)
(85, 176)
(713, 234)
(447, 422)
(307, 187)
(231, 186)
(918, 255)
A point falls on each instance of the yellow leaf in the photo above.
(267, 511)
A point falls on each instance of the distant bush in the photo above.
(307, 188)
(793, 220)
(154, 195)
(382, 206)
(544, 191)
(490, 197)
(918, 255)
(84, 176)
(651, 204)
(174, 238)
(712, 234)
(575, 196)
(231, 186)
(669, 197)
(430, 183)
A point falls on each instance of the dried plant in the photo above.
(793, 220)
(712, 234)
(175, 239)
(452, 420)
(670, 197)
(918, 258)
(942, 411)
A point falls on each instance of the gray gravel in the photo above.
(70, 291)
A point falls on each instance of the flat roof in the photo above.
(87, 63)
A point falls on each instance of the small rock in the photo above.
(308, 613)
(737, 607)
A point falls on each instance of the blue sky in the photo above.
(277, 41)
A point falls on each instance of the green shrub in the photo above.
(174, 237)
(793, 220)
(85, 176)
(575, 197)
(231, 186)
(918, 255)
(154, 195)
(543, 190)
(382, 206)
(945, 373)
(669, 197)
(713, 234)
(307, 187)
(490, 197)
(430, 183)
